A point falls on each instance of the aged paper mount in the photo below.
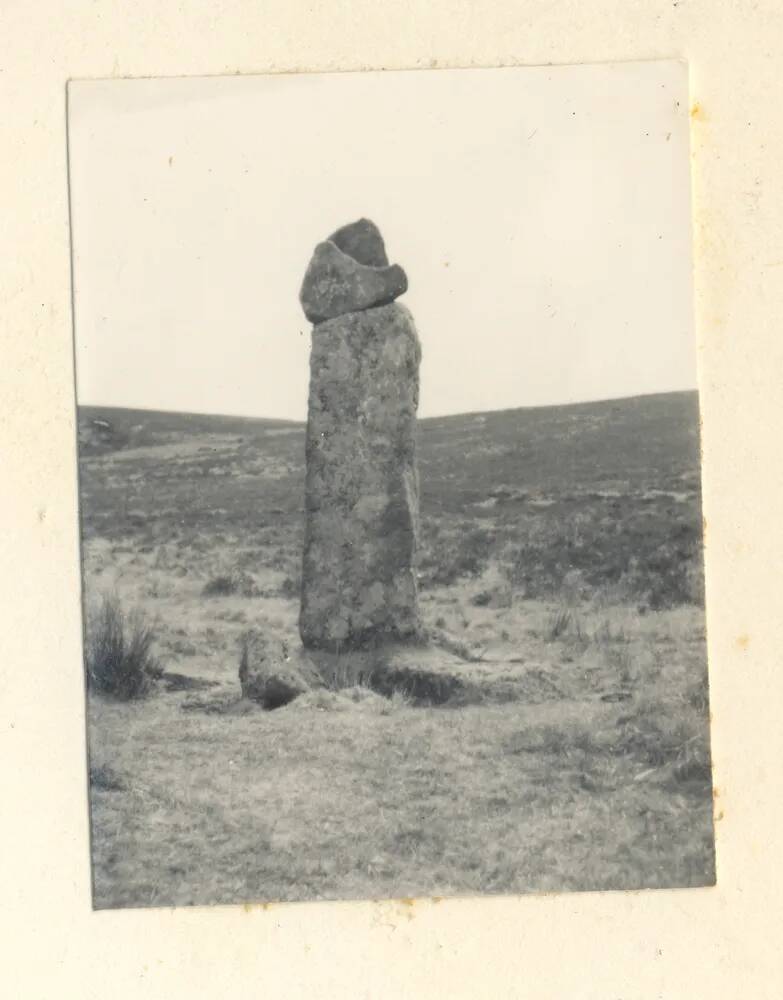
(712, 942)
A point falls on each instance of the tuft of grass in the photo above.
(399, 699)
(606, 633)
(348, 672)
(119, 660)
(360, 677)
(558, 624)
(453, 644)
(564, 622)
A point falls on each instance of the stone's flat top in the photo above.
(361, 240)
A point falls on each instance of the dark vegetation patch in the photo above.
(119, 660)
(421, 687)
(225, 585)
(653, 551)
(453, 552)
(607, 493)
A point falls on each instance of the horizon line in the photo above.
(434, 416)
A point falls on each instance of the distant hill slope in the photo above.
(642, 440)
(103, 428)
(608, 490)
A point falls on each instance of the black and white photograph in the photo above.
(389, 485)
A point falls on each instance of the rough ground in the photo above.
(560, 544)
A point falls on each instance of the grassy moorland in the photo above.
(561, 545)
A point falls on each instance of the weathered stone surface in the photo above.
(272, 675)
(361, 493)
(362, 240)
(336, 284)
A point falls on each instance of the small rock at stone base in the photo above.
(274, 677)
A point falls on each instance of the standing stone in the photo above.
(361, 491)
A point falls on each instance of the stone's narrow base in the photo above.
(423, 673)
(361, 492)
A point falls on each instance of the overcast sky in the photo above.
(542, 216)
